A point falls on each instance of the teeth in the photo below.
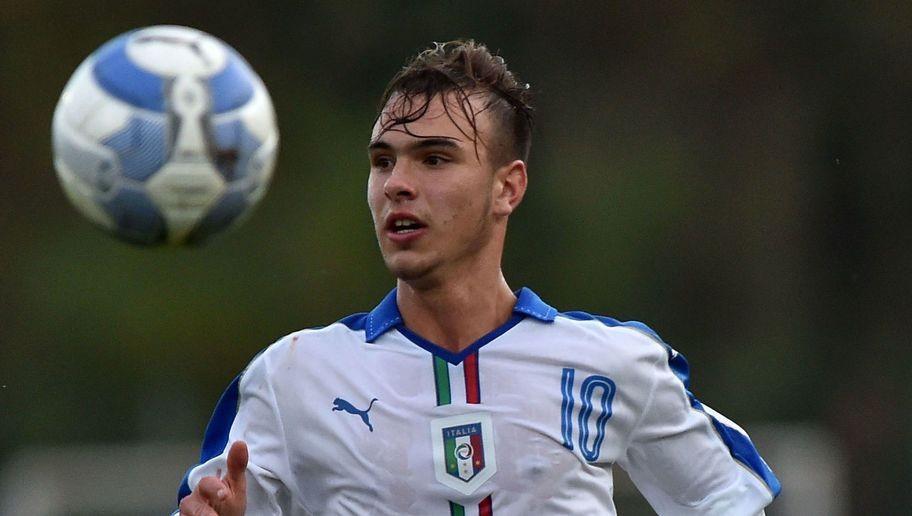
(404, 222)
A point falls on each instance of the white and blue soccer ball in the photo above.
(165, 135)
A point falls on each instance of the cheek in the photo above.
(374, 195)
(464, 210)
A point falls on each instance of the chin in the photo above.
(410, 270)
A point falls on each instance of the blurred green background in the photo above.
(736, 175)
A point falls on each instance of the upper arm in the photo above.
(247, 411)
(687, 459)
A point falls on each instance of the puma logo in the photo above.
(340, 404)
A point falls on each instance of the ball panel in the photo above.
(184, 192)
(122, 78)
(135, 217)
(87, 161)
(87, 109)
(226, 212)
(258, 115)
(234, 147)
(233, 86)
(141, 147)
(81, 196)
(260, 169)
(172, 50)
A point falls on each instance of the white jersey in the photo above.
(366, 417)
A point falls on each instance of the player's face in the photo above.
(430, 194)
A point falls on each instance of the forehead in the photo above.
(446, 115)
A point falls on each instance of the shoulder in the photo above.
(611, 323)
(624, 337)
(629, 352)
(348, 329)
(300, 348)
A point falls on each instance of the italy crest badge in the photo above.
(463, 451)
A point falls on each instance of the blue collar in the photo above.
(386, 315)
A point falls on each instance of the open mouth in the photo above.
(403, 226)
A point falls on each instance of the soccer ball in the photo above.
(164, 135)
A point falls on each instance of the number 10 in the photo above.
(587, 392)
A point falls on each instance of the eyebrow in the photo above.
(423, 143)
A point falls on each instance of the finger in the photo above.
(237, 465)
(194, 505)
(212, 490)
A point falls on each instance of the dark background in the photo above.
(735, 175)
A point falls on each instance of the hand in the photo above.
(226, 496)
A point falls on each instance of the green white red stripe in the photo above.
(470, 369)
(442, 381)
(484, 508)
(473, 396)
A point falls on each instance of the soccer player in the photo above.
(456, 394)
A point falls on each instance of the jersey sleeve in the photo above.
(687, 459)
(247, 411)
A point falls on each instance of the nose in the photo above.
(399, 185)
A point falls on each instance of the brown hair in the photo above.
(464, 67)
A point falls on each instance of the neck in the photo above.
(455, 314)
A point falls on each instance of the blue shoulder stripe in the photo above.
(216, 437)
(739, 445)
(611, 322)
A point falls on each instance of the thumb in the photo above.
(237, 465)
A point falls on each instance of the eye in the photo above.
(382, 162)
(435, 161)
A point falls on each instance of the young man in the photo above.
(457, 395)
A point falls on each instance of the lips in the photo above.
(403, 227)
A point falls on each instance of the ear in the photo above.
(509, 187)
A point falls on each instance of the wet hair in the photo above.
(465, 68)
